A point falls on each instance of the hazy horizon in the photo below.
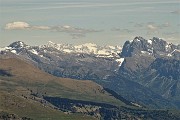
(103, 22)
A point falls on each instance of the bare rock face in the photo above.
(155, 47)
(154, 64)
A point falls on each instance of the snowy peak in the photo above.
(88, 48)
(17, 45)
(54, 49)
(51, 44)
(89, 45)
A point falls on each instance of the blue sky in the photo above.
(80, 21)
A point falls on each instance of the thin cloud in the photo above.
(71, 29)
(170, 33)
(152, 29)
(172, 39)
(139, 25)
(24, 26)
(77, 35)
(41, 27)
(92, 4)
(153, 26)
(165, 25)
(122, 30)
(176, 12)
(75, 32)
(17, 25)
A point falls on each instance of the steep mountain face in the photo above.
(87, 61)
(169, 68)
(136, 92)
(155, 64)
(155, 47)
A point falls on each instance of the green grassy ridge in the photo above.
(13, 104)
(53, 89)
(29, 76)
(32, 79)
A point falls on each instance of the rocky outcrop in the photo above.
(154, 64)
(155, 47)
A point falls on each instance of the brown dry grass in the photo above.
(65, 87)
(13, 104)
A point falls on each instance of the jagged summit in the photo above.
(50, 43)
(15, 47)
(153, 63)
(155, 47)
(17, 44)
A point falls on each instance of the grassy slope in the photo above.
(30, 77)
(14, 104)
(26, 77)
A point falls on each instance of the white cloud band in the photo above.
(73, 31)
(17, 25)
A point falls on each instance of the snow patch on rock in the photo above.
(120, 61)
(34, 52)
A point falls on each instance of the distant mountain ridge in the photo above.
(146, 71)
(87, 48)
(87, 61)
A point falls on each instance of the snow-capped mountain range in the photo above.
(88, 48)
(138, 68)
(137, 45)
(86, 61)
